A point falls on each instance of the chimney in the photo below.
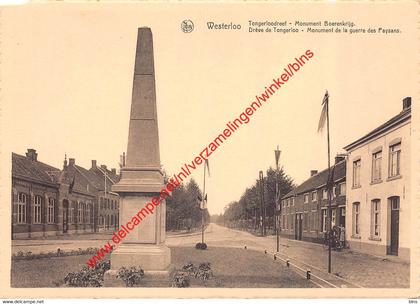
(32, 155)
(406, 103)
(103, 167)
(339, 158)
(314, 172)
(114, 171)
(72, 161)
(93, 163)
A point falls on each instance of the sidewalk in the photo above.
(74, 242)
(363, 269)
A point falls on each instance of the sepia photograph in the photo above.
(230, 149)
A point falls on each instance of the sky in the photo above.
(67, 75)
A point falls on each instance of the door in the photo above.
(298, 226)
(395, 226)
(65, 215)
(342, 218)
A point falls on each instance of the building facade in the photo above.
(35, 197)
(108, 201)
(304, 210)
(378, 192)
(47, 201)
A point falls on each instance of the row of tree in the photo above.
(247, 211)
(183, 207)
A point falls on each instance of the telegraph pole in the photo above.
(262, 206)
(277, 204)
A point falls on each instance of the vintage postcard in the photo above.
(230, 149)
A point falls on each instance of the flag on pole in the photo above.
(206, 163)
(323, 116)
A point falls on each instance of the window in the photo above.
(71, 212)
(21, 208)
(293, 201)
(88, 207)
(376, 218)
(394, 160)
(356, 218)
(376, 166)
(306, 198)
(325, 194)
(342, 189)
(313, 196)
(356, 173)
(51, 210)
(395, 203)
(291, 221)
(333, 217)
(309, 215)
(80, 213)
(324, 220)
(37, 209)
(314, 220)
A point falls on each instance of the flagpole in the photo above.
(105, 195)
(202, 210)
(329, 186)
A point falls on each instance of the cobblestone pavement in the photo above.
(361, 269)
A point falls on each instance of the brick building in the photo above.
(108, 201)
(47, 201)
(378, 192)
(304, 210)
(35, 197)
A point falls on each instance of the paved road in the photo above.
(350, 269)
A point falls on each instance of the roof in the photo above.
(394, 121)
(83, 178)
(34, 170)
(100, 173)
(319, 180)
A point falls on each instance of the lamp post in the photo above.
(277, 204)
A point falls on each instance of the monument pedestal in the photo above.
(153, 259)
(148, 257)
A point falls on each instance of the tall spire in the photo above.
(143, 139)
(142, 168)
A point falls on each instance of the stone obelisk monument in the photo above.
(141, 177)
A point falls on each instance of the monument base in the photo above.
(153, 259)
